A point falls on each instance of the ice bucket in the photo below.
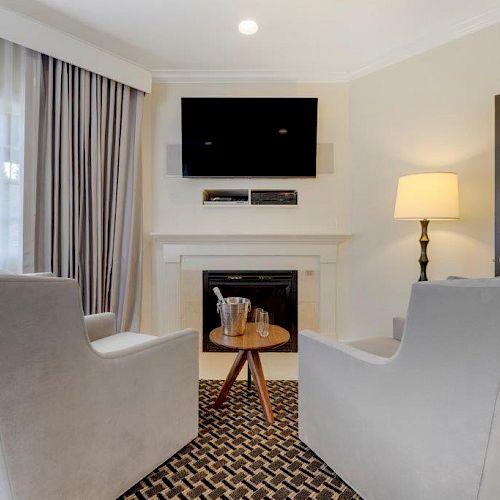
(233, 315)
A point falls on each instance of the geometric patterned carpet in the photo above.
(237, 455)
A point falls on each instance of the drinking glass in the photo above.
(263, 323)
(256, 314)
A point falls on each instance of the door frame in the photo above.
(497, 185)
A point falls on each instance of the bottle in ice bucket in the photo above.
(233, 315)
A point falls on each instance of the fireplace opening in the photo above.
(274, 291)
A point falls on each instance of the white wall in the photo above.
(433, 112)
(172, 205)
(176, 204)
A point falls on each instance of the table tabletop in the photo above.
(251, 340)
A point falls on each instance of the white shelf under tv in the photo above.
(248, 205)
(225, 204)
(243, 198)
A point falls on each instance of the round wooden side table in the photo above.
(248, 346)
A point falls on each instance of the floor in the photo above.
(237, 455)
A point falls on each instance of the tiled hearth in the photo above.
(180, 260)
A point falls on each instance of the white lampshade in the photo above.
(427, 196)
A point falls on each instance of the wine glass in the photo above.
(263, 323)
(256, 315)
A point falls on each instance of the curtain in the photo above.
(12, 85)
(88, 187)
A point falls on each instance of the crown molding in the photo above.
(422, 44)
(237, 76)
(430, 41)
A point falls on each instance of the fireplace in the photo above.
(274, 291)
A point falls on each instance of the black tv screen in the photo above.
(249, 137)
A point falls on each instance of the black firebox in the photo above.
(274, 291)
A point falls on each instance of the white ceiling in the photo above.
(303, 39)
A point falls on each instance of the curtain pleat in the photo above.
(12, 169)
(88, 223)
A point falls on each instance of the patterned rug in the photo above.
(237, 455)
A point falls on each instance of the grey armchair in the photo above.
(81, 419)
(423, 424)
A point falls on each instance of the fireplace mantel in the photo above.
(332, 238)
(176, 252)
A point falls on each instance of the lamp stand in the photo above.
(424, 241)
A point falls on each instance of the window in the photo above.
(11, 156)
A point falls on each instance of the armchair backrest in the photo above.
(449, 366)
(42, 343)
(454, 325)
(41, 319)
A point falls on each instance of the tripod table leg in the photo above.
(231, 377)
(260, 384)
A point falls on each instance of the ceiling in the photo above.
(322, 40)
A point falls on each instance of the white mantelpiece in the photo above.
(175, 253)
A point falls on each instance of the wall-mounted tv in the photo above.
(249, 137)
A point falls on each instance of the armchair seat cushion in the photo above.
(121, 341)
(385, 347)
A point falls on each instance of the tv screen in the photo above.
(249, 137)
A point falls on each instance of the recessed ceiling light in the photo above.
(248, 27)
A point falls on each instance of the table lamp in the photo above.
(426, 197)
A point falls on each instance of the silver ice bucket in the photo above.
(233, 315)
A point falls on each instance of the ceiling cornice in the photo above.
(422, 44)
(237, 76)
(430, 41)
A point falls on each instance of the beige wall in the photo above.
(176, 203)
(147, 186)
(172, 204)
(433, 112)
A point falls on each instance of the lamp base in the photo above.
(424, 241)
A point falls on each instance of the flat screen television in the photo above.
(249, 137)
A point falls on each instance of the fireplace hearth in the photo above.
(274, 291)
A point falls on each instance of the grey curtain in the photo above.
(88, 187)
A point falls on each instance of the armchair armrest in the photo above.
(344, 353)
(100, 325)
(153, 344)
